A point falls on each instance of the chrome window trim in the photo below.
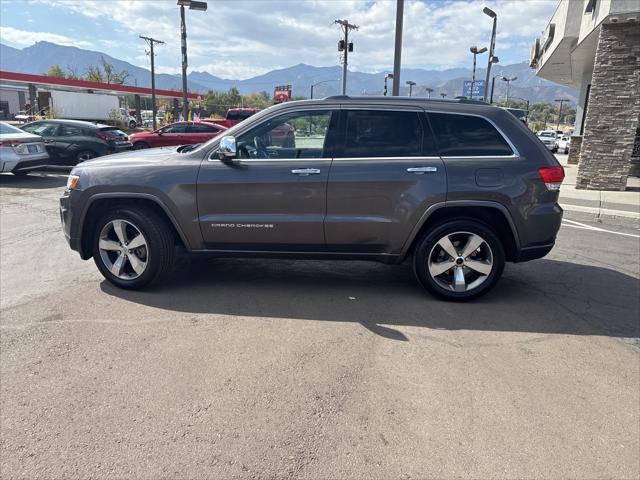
(360, 159)
(515, 154)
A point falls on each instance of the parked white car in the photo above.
(20, 152)
(563, 144)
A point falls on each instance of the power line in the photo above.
(347, 47)
(151, 41)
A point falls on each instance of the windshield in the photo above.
(547, 134)
(6, 128)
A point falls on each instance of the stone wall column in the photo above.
(574, 149)
(613, 110)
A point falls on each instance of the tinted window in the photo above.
(467, 136)
(44, 129)
(69, 131)
(113, 132)
(291, 135)
(203, 128)
(379, 133)
(175, 128)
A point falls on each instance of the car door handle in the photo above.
(422, 170)
(305, 171)
(48, 141)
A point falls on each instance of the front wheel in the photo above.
(459, 260)
(140, 145)
(133, 247)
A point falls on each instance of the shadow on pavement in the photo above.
(545, 296)
(37, 180)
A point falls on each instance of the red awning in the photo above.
(45, 81)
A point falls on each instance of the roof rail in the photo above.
(421, 99)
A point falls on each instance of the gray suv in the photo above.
(457, 187)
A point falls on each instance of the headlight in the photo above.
(72, 181)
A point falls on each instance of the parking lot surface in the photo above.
(309, 369)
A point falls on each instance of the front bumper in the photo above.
(66, 218)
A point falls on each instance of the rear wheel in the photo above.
(132, 124)
(85, 155)
(459, 260)
(133, 247)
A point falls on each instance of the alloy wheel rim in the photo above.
(460, 261)
(123, 249)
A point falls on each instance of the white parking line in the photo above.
(584, 226)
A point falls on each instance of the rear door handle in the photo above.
(422, 170)
(305, 171)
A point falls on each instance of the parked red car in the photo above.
(180, 133)
(236, 115)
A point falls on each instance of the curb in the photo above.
(600, 212)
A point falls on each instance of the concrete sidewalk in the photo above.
(598, 202)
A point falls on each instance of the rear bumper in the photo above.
(532, 253)
(26, 165)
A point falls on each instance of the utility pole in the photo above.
(562, 101)
(347, 47)
(154, 108)
(398, 50)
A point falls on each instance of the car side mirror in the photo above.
(228, 148)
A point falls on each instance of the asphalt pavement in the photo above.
(310, 369)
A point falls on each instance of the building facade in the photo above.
(594, 46)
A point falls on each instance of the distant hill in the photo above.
(39, 57)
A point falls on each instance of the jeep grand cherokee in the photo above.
(456, 187)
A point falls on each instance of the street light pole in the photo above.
(475, 52)
(193, 5)
(443, 95)
(493, 84)
(398, 50)
(411, 85)
(428, 90)
(387, 77)
(508, 80)
(492, 46)
(320, 83)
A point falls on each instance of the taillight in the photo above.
(102, 135)
(552, 177)
(10, 143)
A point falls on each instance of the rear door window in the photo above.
(203, 128)
(467, 136)
(175, 128)
(383, 133)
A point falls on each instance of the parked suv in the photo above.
(456, 187)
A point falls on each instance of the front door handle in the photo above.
(422, 170)
(305, 171)
(48, 141)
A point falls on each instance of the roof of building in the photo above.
(72, 85)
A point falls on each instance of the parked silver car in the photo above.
(550, 139)
(20, 152)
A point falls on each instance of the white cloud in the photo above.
(24, 38)
(242, 38)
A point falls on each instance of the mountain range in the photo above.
(37, 59)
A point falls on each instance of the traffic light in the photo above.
(351, 46)
(341, 46)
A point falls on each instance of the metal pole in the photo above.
(493, 84)
(185, 102)
(153, 87)
(508, 85)
(410, 88)
(491, 51)
(398, 50)
(344, 64)
(311, 92)
(473, 76)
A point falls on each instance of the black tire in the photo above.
(140, 145)
(132, 124)
(160, 244)
(425, 247)
(84, 155)
(566, 151)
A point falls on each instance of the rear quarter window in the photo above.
(460, 135)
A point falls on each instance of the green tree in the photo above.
(55, 71)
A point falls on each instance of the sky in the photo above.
(240, 39)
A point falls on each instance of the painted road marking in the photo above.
(584, 226)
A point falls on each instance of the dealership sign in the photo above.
(476, 92)
(282, 93)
